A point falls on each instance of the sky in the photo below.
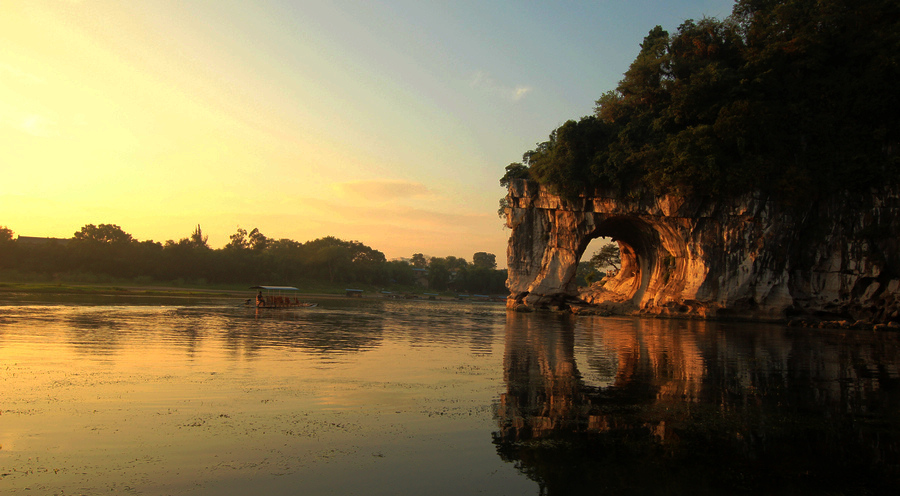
(384, 122)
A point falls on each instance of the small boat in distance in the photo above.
(278, 297)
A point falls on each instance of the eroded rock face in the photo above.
(746, 258)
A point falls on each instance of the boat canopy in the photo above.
(275, 288)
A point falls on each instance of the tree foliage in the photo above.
(792, 97)
(105, 252)
(6, 234)
(586, 274)
(198, 239)
(257, 240)
(238, 240)
(607, 256)
(515, 170)
(485, 260)
(104, 233)
(455, 274)
(419, 261)
(7, 248)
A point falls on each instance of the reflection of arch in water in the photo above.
(777, 408)
(671, 363)
(547, 391)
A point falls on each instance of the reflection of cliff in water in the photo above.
(701, 407)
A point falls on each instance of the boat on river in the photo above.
(279, 297)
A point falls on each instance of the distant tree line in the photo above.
(796, 98)
(106, 252)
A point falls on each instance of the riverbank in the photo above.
(90, 289)
(314, 289)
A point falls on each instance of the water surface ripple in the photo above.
(205, 396)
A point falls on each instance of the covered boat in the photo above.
(279, 297)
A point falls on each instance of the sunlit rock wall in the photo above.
(743, 258)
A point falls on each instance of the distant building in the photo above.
(38, 241)
(421, 276)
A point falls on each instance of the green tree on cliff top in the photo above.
(793, 97)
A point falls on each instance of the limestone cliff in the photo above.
(747, 257)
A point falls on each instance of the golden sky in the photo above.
(387, 123)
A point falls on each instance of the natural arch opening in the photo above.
(640, 248)
(550, 237)
(600, 259)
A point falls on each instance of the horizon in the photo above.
(387, 124)
(390, 259)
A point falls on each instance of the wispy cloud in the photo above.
(421, 218)
(483, 81)
(382, 190)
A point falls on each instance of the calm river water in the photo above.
(155, 396)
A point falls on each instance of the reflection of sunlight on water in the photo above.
(387, 397)
(215, 399)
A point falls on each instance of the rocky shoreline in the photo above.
(626, 309)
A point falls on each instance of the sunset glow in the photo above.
(389, 124)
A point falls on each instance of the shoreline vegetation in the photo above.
(106, 255)
(74, 288)
(125, 288)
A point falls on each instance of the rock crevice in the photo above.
(747, 257)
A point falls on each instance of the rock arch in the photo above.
(649, 252)
(743, 258)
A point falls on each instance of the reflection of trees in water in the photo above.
(312, 330)
(188, 329)
(333, 328)
(356, 326)
(481, 341)
(243, 332)
(94, 330)
(444, 322)
(697, 406)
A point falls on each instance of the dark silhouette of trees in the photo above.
(484, 260)
(238, 240)
(197, 239)
(455, 274)
(257, 240)
(104, 233)
(106, 253)
(7, 248)
(418, 261)
(103, 249)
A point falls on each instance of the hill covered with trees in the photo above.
(106, 253)
(795, 98)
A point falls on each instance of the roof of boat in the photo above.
(276, 288)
